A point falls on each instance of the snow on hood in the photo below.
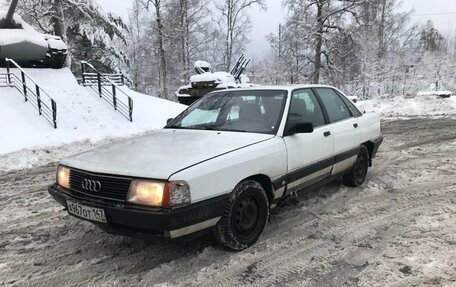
(160, 154)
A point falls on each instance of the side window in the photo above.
(233, 114)
(305, 108)
(355, 112)
(336, 108)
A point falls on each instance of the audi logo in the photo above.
(91, 185)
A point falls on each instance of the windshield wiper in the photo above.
(239, 131)
(193, 128)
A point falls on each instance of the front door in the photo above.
(310, 155)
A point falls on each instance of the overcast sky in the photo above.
(441, 12)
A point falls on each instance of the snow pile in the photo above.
(404, 106)
(434, 91)
(81, 114)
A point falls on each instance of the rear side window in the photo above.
(336, 108)
(355, 112)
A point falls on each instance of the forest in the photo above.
(367, 48)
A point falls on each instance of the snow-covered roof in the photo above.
(218, 77)
(27, 34)
(57, 44)
(202, 64)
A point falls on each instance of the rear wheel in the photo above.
(245, 216)
(358, 173)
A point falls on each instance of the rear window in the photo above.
(335, 107)
(354, 111)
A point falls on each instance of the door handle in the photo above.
(327, 134)
(355, 125)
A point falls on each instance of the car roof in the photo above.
(288, 88)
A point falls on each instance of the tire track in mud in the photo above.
(36, 233)
(322, 240)
(295, 256)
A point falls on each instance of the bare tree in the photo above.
(57, 20)
(234, 23)
(390, 25)
(158, 6)
(320, 24)
(188, 31)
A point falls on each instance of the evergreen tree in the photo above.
(431, 39)
(90, 33)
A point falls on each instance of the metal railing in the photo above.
(108, 90)
(4, 80)
(32, 92)
(89, 79)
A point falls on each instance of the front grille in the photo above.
(112, 187)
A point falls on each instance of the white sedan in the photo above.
(222, 164)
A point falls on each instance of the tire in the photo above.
(358, 173)
(245, 216)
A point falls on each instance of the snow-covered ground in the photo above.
(82, 116)
(410, 106)
(398, 229)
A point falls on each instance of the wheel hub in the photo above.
(246, 215)
(359, 167)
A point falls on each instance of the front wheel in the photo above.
(245, 216)
(358, 173)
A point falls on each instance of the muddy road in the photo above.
(398, 229)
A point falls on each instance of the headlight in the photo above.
(161, 194)
(63, 177)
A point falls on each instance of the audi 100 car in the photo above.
(222, 164)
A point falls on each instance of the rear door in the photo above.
(344, 129)
(309, 155)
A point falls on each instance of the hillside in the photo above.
(81, 115)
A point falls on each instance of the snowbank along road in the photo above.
(398, 229)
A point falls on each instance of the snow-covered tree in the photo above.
(312, 33)
(188, 32)
(234, 25)
(431, 39)
(90, 33)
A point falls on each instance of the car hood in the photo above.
(160, 154)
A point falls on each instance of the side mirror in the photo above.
(299, 128)
(169, 120)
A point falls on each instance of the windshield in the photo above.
(256, 111)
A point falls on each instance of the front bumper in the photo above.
(128, 219)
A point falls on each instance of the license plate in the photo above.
(86, 212)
